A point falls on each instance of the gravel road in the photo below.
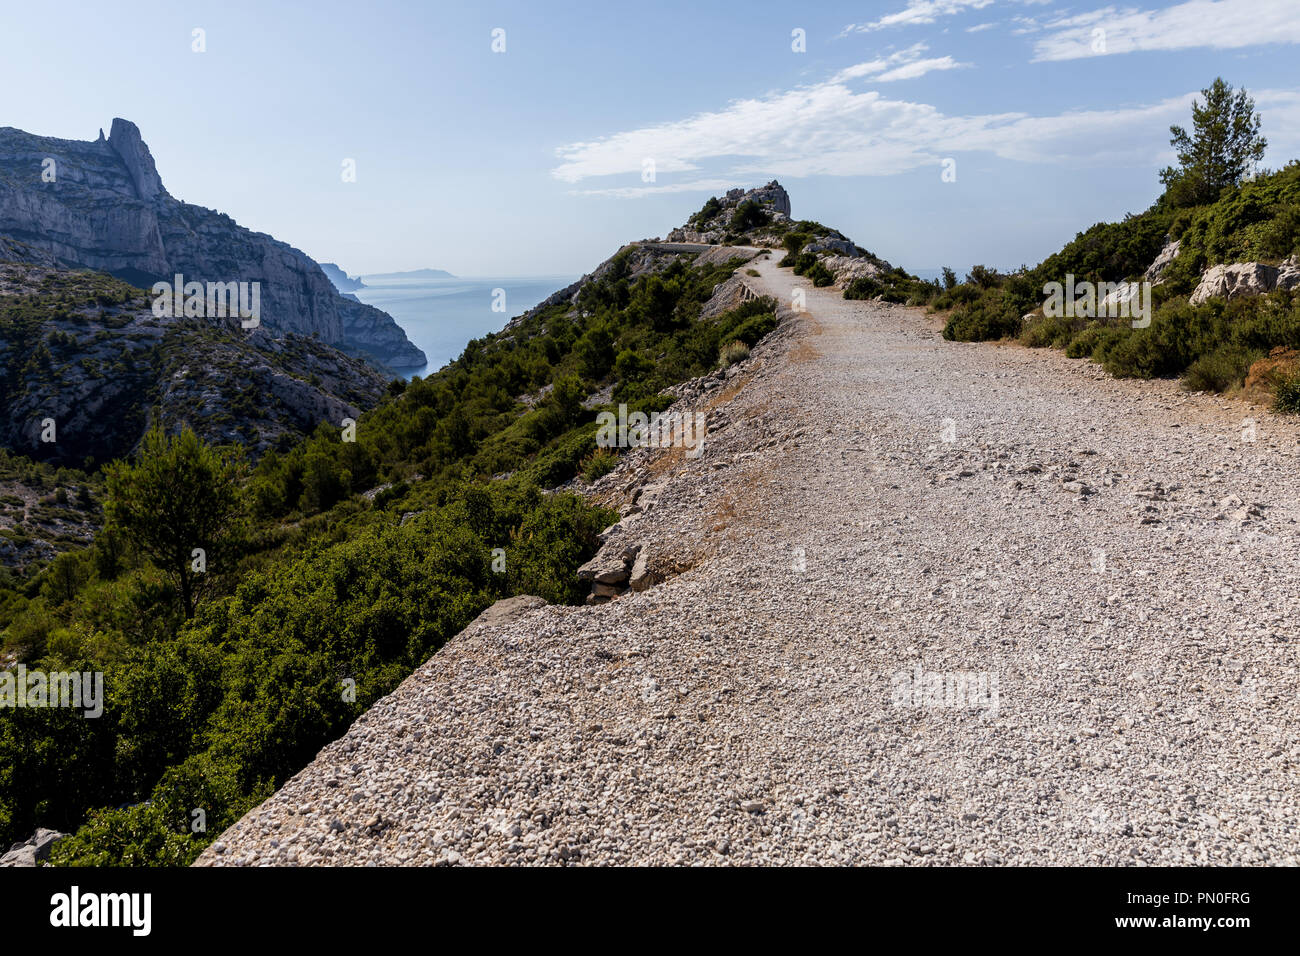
(941, 604)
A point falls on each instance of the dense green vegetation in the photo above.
(895, 285)
(333, 568)
(1218, 215)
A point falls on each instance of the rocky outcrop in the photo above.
(839, 247)
(102, 205)
(607, 572)
(847, 268)
(1155, 273)
(716, 227)
(1288, 274)
(13, 251)
(773, 196)
(125, 140)
(370, 332)
(1245, 278)
(34, 851)
(637, 259)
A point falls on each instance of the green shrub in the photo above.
(802, 262)
(894, 286)
(1085, 341)
(863, 287)
(141, 835)
(753, 329)
(1280, 239)
(983, 277)
(1048, 332)
(1220, 370)
(1287, 397)
(749, 215)
(819, 274)
(599, 464)
(710, 209)
(992, 316)
(732, 353)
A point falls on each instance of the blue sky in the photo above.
(531, 161)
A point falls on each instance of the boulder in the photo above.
(607, 567)
(23, 855)
(1125, 294)
(641, 577)
(1233, 281)
(847, 268)
(44, 841)
(33, 851)
(829, 244)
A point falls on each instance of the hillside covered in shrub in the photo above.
(1211, 341)
(335, 566)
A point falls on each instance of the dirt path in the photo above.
(949, 603)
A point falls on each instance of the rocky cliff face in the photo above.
(83, 352)
(102, 205)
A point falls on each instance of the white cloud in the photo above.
(828, 128)
(1221, 24)
(919, 12)
(906, 64)
(911, 71)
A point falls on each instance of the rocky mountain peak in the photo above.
(125, 139)
(717, 220)
(772, 195)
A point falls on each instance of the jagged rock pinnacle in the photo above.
(125, 138)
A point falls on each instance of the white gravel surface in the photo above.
(1111, 556)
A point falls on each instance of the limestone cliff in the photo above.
(102, 205)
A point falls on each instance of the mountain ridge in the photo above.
(102, 205)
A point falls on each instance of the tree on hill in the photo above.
(1223, 147)
(179, 505)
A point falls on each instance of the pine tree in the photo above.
(1224, 146)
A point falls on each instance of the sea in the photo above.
(441, 316)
